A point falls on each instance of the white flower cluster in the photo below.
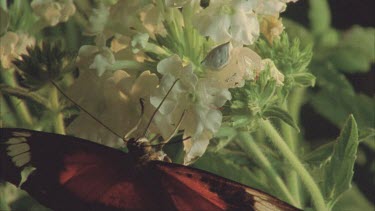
(118, 75)
(12, 45)
(53, 11)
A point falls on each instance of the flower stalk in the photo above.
(246, 142)
(304, 175)
(23, 114)
(58, 124)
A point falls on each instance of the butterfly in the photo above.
(71, 173)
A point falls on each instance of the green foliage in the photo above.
(329, 78)
(337, 105)
(355, 51)
(287, 55)
(21, 17)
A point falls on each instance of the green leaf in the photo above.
(367, 136)
(320, 16)
(277, 112)
(337, 104)
(320, 156)
(339, 170)
(356, 50)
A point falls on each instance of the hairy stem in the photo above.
(304, 175)
(55, 107)
(247, 143)
(293, 106)
(22, 112)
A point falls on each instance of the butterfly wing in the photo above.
(192, 189)
(74, 174)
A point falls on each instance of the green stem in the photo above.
(24, 94)
(291, 175)
(306, 178)
(19, 106)
(55, 105)
(247, 143)
(295, 102)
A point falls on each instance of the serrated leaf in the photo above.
(320, 16)
(337, 104)
(356, 50)
(277, 112)
(339, 170)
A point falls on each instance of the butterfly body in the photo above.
(76, 174)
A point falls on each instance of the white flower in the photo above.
(97, 20)
(12, 45)
(152, 19)
(243, 65)
(198, 98)
(124, 17)
(228, 20)
(236, 20)
(53, 11)
(99, 58)
(270, 7)
(114, 100)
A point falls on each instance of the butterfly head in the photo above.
(141, 149)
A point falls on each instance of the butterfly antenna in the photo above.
(176, 128)
(127, 135)
(160, 104)
(84, 110)
(173, 134)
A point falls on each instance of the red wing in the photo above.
(194, 189)
(72, 173)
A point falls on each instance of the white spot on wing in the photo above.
(17, 149)
(21, 134)
(22, 159)
(16, 140)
